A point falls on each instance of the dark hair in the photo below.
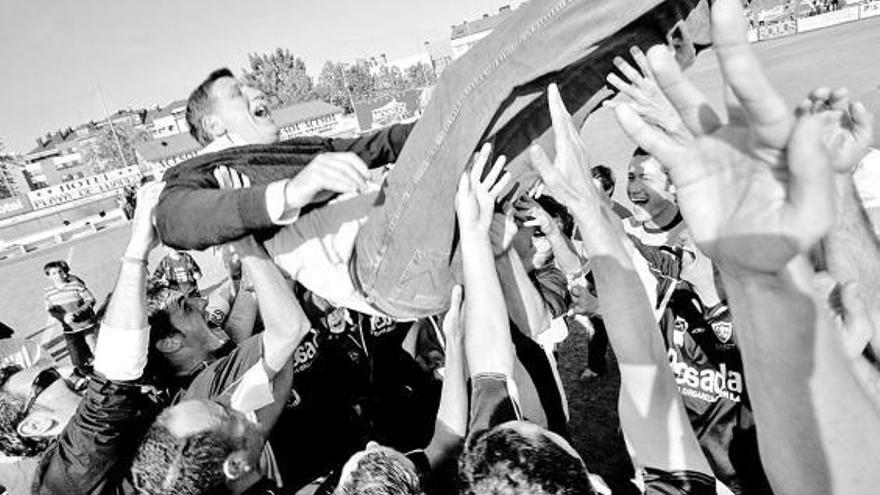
(378, 473)
(640, 152)
(557, 211)
(192, 465)
(198, 106)
(502, 460)
(605, 176)
(11, 407)
(59, 264)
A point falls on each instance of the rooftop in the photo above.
(484, 23)
(303, 111)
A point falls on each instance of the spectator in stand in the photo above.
(179, 272)
(71, 303)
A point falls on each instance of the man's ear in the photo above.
(236, 465)
(213, 125)
(170, 344)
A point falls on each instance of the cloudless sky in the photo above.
(54, 54)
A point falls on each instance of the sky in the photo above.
(56, 56)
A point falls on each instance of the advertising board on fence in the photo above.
(753, 35)
(845, 14)
(777, 30)
(871, 8)
(15, 205)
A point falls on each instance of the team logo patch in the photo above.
(723, 330)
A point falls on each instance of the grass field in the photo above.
(844, 55)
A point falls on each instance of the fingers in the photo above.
(656, 142)
(858, 329)
(624, 87)
(563, 128)
(342, 172)
(692, 105)
(452, 318)
(496, 170)
(741, 68)
(495, 191)
(480, 161)
(863, 123)
(810, 189)
(642, 61)
(736, 115)
(542, 164)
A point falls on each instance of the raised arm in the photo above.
(488, 345)
(121, 351)
(451, 425)
(90, 454)
(652, 416)
(284, 320)
(776, 174)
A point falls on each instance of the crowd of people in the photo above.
(399, 338)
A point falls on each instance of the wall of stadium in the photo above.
(846, 14)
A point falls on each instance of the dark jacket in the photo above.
(93, 454)
(193, 213)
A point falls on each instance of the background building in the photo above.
(469, 33)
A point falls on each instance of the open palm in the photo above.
(755, 191)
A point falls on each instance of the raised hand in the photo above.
(143, 232)
(531, 214)
(566, 178)
(756, 191)
(328, 173)
(646, 98)
(475, 198)
(851, 124)
(501, 232)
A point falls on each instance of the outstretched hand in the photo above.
(756, 191)
(143, 231)
(851, 125)
(475, 198)
(566, 178)
(645, 96)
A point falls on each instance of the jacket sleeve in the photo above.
(378, 148)
(193, 213)
(95, 450)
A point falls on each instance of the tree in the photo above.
(339, 83)
(420, 75)
(102, 149)
(389, 80)
(281, 76)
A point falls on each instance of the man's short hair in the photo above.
(378, 473)
(11, 407)
(502, 460)
(192, 465)
(199, 106)
(605, 176)
(640, 152)
(59, 264)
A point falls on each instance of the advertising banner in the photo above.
(777, 30)
(845, 14)
(15, 205)
(871, 8)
